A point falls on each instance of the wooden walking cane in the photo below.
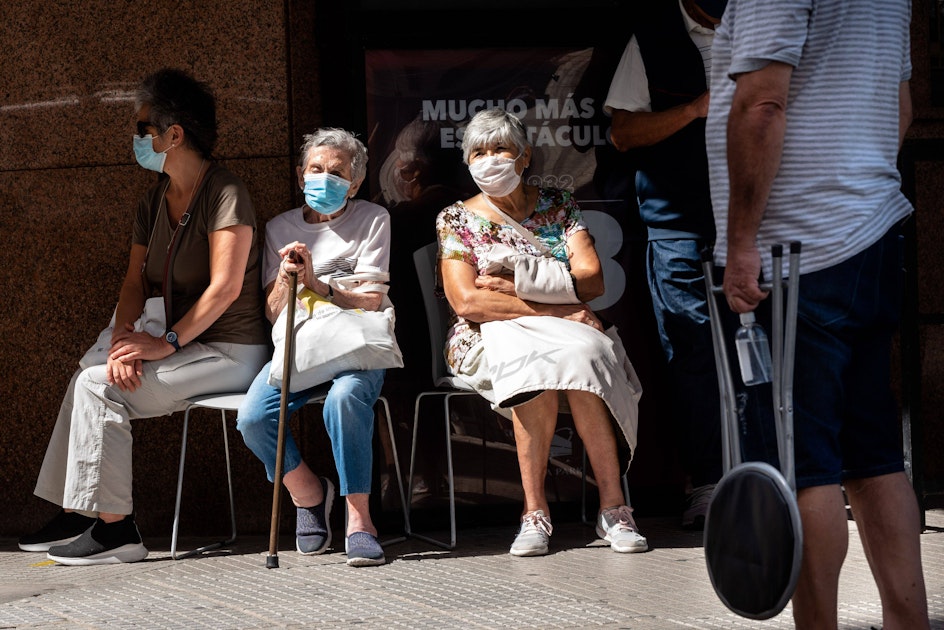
(272, 560)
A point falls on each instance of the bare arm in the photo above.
(642, 129)
(368, 300)
(132, 296)
(478, 304)
(278, 290)
(585, 266)
(127, 375)
(756, 128)
(229, 251)
(277, 298)
(904, 110)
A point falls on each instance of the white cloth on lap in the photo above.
(537, 353)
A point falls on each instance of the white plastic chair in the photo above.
(231, 402)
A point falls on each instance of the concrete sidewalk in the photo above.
(580, 584)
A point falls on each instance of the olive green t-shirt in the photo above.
(221, 201)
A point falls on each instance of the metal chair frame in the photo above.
(231, 402)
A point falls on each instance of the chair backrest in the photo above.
(437, 314)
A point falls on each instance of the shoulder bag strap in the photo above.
(526, 233)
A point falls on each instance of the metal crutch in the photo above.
(753, 534)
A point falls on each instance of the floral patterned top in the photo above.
(466, 236)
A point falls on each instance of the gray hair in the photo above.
(493, 126)
(340, 139)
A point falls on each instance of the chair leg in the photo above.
(409, 480)
(396, 467)
(409, 490)
(583, 491)
(229, 483)
(180, 481)
(450, 476)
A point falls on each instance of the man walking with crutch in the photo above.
(809, 105)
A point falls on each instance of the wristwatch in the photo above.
(171, 337)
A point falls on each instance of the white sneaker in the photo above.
(616, 526)
(533, 536)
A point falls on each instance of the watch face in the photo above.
(171, 337)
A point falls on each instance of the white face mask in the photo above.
(495, 175)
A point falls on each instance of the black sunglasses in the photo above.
(143, 127)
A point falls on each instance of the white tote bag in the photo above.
(151, 321)
(330, 340)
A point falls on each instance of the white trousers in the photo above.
(87, 466)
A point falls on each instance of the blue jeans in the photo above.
(679, 301)
(677, 285)
(348, 418)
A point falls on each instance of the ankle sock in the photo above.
(119, 532)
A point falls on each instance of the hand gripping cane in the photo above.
(272, 560)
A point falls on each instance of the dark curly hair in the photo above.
(176, 98)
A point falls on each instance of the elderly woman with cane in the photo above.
(333, 235)
(518, 268)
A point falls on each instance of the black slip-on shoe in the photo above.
(103, 543)
(61, 530)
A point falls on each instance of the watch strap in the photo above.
(171, 337)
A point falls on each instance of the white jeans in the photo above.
(87, 466)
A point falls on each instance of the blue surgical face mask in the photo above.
(146, 155)
(326, 193)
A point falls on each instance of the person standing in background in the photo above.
(658, 101)
(809, 106)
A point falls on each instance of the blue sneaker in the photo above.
(363, 550)
(312, 528)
